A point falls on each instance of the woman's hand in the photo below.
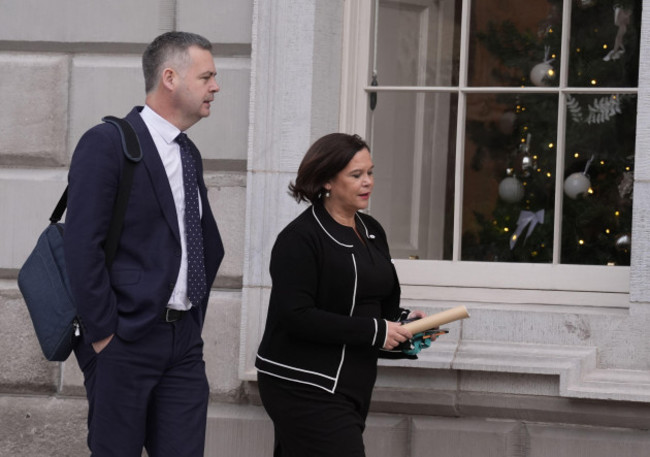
(416, 315)
(396, 334)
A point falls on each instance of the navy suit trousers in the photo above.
(150, 393)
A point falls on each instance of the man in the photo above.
(142, 351)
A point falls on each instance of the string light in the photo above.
(581, 242)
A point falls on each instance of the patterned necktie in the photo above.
(196, 284)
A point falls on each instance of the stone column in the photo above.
(296, 60)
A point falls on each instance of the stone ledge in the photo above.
(576, 367)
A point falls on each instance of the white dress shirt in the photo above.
(164, 134)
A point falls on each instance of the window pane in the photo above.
(604, 44)
(599, 173)
(418, 42)
(413, 147)
(515, 43)
(509, 178)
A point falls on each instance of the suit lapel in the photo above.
(156, 171)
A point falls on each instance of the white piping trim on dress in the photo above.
(313, 211)
(296, 380)
(374, 338)
(354, 292)
(296, 368)
(368, 235)
(354, 302)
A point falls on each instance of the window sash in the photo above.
(356, 75)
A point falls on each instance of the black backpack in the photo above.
(43, 279)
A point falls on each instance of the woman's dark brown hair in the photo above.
(323, 161)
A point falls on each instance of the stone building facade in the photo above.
(533, 373)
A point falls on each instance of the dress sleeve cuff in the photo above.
(381, 332)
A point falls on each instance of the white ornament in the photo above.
(542, 74)
(576, 184)
(623, 242)
(511, 190)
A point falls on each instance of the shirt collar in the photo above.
(162, 126)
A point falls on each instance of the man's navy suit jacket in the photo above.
(128, 299)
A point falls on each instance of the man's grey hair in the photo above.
(166, 48)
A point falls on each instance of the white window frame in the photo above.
(585, 285)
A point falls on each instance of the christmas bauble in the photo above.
(511, 190)
(526, 162)
(623, 242)
(542, 74)
(576, 184)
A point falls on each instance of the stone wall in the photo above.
(65, 65)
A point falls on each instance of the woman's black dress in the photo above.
(310, 421)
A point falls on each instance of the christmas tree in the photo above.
(517, 146)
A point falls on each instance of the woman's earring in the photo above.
(327, 194)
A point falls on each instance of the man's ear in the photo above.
(168, 78)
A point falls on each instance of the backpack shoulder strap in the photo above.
(133, 153)
(130, 142)
(57, 214)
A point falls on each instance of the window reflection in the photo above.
(509, 178)
(418, 42)
(604, 50)
(413, 149)
(515, 43)
(599, 174)
(514, 91)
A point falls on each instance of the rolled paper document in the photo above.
(436, 320)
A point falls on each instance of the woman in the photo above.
(334, 306)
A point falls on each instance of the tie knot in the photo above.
(182, 140)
